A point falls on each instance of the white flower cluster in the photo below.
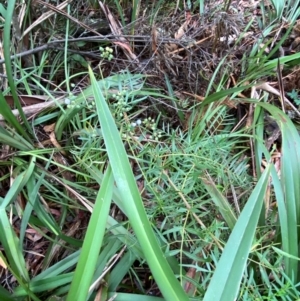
(70, 101)
(150, 124)
(121, 106)
(136, 123)
(146, 128)
(106, 53)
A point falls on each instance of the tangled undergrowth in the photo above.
(200, 98)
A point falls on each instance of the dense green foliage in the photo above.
(124, 189)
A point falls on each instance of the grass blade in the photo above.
(220, 201)
(6, 112)
(18, 185)
(8, 237)
(4, 295)
(224, 285)
(132, 201)
(289, 214)
(92, 242)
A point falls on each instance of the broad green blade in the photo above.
(92, 242)
(289, 205)
(225, 283)
(14, 140)
(8, 237)
(10, 17)
(124, 178)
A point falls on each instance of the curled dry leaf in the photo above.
(116, 30)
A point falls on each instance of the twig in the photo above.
(49, 46)
(108, 38)
(266, 87)
(33, 109)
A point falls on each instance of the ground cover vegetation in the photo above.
(149, 150)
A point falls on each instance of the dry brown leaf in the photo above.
(26, 100)
(33, 235)
(154, 43)
(34, 108)
(266, 87)
(115, 27)
(189, 287)
(49, 128)
(2, 263)
(181, 31)
(44, 16)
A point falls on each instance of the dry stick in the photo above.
(107, 268)
(115, 28)
(190, 46)
(59, 11)
(27, 52)
(266, 87)
(36, 108)
(85, 202)
(45, 16)
(33, 109)
(281, 87)
(108, 38)
(52, 45)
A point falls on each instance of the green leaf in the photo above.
(5, 295)
(293, 95)
(132, 201)
(224, 285)
(92, 242)
(4, 108)
(15, 140)
(288, 196)
(2, 11)
(18, 184)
